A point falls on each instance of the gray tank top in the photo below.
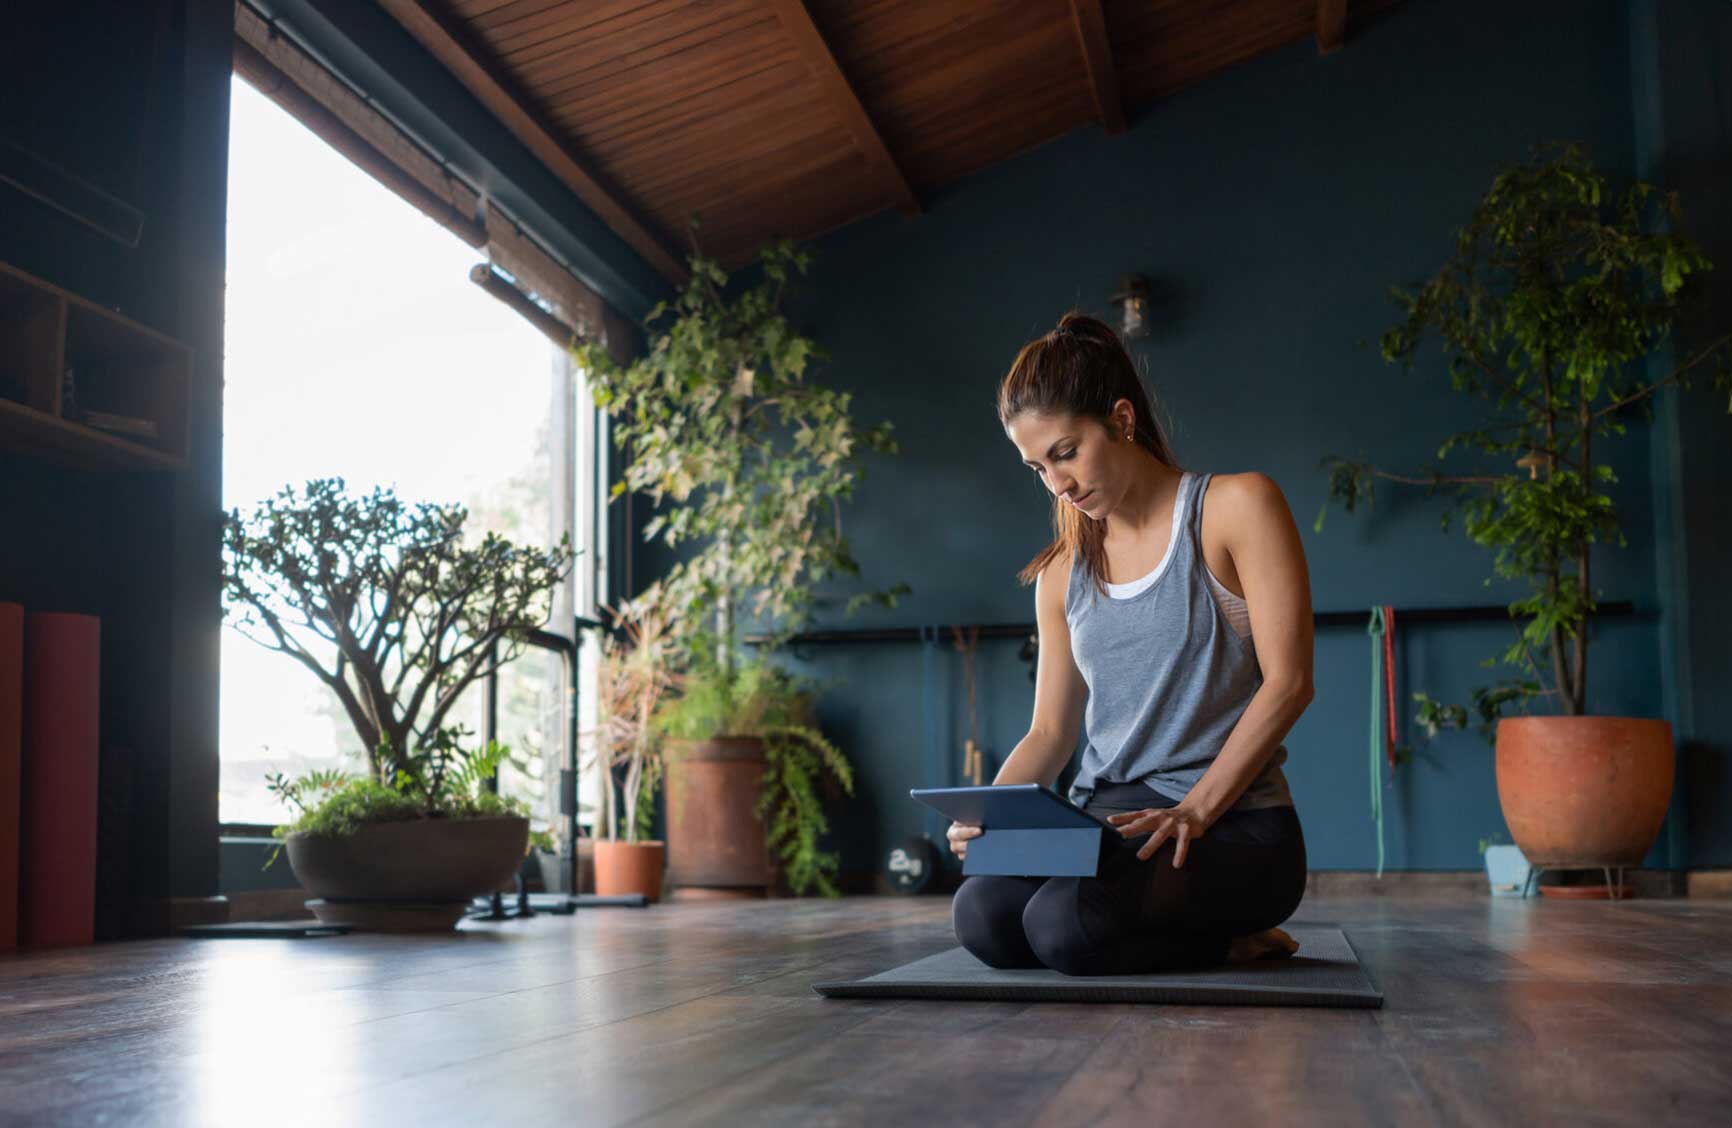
(1167, 676)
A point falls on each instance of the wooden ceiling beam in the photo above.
(1331, 25)
(809, 44)
(1097, 53)
(489, 86)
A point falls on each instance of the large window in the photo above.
(357, 347)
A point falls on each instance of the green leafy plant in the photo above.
(1557, 289)
(438, 779)
(752, 461)
(721, 420)
(802, 767)
(1492, 840)
(387, 603)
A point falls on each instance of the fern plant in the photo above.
(798, 762)
(802, 768)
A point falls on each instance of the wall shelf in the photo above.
(52, 342)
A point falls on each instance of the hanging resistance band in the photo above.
(973, 759)
(1389, 680)
(929, 715)
(1376, 629)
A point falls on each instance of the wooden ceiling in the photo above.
(777, 117)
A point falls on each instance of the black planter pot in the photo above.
(407, 876)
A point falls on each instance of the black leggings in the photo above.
(1245, 874)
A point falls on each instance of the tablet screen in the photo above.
(1016, 806)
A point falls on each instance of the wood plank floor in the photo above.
(1497, 1012)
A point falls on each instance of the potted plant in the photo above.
(765, 752)
(635, 674)
(754, 460)
(1550, 311)
(397, 613)
(407, 855)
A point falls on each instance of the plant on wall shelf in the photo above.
(1558, 291)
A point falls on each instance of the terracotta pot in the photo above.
(408, 876)
(715, 838)
(1581, 792)
(629, 867)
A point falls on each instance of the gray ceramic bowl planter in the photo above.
(410, 876)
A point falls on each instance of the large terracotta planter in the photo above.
(715, 838)
(408, 876)
(1582, 792)
(629, 867)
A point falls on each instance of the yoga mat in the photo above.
(1324, 973)
(11, 769)
(62, 655)
(266, 930)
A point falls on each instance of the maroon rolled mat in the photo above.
(11, 778)
(62, 664)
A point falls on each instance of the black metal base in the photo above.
(557, 904)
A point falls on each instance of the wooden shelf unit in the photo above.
(118, 367)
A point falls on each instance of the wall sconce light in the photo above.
(1133, 302)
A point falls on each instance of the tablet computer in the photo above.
(1012, 806)
(1028, 829)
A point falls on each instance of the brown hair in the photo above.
(1080, 368)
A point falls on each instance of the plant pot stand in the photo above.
(389, 916)
(1612, 888)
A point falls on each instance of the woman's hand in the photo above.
(1180, 823)
(959, 834)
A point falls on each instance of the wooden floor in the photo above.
(1497, 1012)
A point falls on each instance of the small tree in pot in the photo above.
(722, 422)
(1556, 293)
(391, 608)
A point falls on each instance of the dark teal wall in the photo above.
(1274, 205)
(140, 550)
(1681, 92)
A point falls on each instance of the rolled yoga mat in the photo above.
(11, 766)
(62, 667)
(1324, 973)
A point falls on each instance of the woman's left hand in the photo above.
(1180, 823)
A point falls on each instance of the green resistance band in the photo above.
(1375, 629)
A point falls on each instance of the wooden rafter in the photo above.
(809, 42)
(1097, 53)
(495, 92)
(1331, 25)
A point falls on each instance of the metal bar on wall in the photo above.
(1485, 614)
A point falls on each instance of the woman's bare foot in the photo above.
(1270, 944)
